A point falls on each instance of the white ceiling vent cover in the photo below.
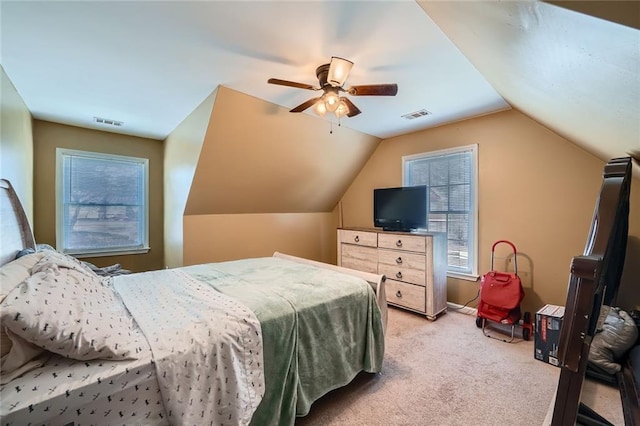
(416, 114)
(108, 121)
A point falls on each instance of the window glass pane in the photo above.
(102, 227)
(459, 198)
(438, 199)
(104, 202)
(459, 169)
(458, 255)
(437, 223)
(439, 173)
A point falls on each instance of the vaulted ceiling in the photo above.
(149, 64)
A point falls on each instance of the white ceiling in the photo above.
(576, 74)
(148, 64)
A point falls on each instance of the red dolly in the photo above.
(500, 297)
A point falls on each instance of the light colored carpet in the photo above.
(447, 372)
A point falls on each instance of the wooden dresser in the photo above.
(415, 265)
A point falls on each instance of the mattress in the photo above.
(65, 391)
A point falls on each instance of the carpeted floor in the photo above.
(447, 372)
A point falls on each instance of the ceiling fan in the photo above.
(331, 78)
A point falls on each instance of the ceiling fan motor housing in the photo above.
(322, 72)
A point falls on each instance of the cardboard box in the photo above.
(547, 333)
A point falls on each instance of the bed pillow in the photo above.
(52, 259)
(12, 274)
(70, 311)
(617, 335)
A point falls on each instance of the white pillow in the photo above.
(71, 312)
(53, 260)
(16, 271)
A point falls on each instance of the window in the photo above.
(452, 205)
(101, 203)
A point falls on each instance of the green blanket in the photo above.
(319, 328)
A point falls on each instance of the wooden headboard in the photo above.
(15, 232)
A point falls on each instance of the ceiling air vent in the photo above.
(108, 121)
(417, 114)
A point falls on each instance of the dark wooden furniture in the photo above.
(629, 383)
(594, 281)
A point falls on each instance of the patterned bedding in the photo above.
(319, 329)
(86, 393)
(206, 346)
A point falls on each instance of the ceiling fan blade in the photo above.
(373, 90)
(353, 110)
(291, 84)
(305, 105)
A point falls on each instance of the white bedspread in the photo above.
(207, 347)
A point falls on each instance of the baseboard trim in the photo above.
(467, 310)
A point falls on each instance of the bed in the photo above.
(251, 341)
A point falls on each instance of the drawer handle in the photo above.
(356, 239)
(399, 275)
(399, 243)
(399, 294)
(399, 260)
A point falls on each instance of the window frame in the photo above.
(473, 244)
(61, 153)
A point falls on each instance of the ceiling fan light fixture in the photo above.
(331, 100)
(320, 108)
(338, 71)
(342, 109)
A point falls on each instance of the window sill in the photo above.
(83, 254)
(461, 276)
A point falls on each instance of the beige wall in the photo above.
(16, 143)
(268, 180)
(535, 189)
(49, 136)
(235, 236)
(260, 158)
(181, 151)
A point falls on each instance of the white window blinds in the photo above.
(450, 176)
(102, 203)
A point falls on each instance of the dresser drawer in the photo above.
(359, 258)
(400, 273)
(361, 238)
(407, 295)
(402, 242)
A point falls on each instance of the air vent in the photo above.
(108, 121)
(417, 114)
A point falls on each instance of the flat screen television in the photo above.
(400, 209)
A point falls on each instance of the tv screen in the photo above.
(400, 209)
